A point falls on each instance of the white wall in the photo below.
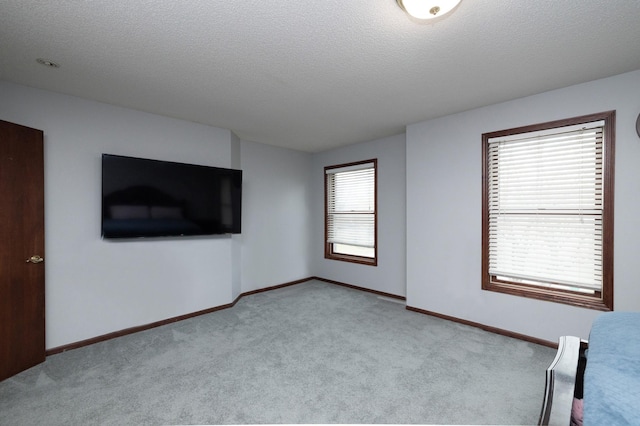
(94, 286)
(276, 216)
(444, 196)
(389, 275)
(429, 201)
(236, 239)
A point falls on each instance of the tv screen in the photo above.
(152, 198)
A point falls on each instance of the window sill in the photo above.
(557, 296)
(353, 259)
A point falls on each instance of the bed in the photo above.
(596, 382)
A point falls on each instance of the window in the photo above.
(547, 213)
(350, 212)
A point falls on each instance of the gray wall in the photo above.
(389, 275)
(94, 287)
(429, 206)
(444, 196)
(276, 216)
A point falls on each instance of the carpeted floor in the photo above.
(309, 353)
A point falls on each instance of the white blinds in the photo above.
(351, 205)
(545, 206)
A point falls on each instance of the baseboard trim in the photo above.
(355, 287)
(488, 328)
(132, 330)
(144, 327)
(273, 287)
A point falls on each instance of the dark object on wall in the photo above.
(152, 198)
(638, 125)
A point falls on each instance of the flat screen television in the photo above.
(152, 198)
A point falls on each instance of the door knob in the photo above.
(35, 259)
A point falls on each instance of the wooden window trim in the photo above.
(603, 300)
(328, 247)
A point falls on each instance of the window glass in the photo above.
(547, 211)
(350, 212)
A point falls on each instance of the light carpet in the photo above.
(308, 353)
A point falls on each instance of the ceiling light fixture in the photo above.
(427, 9)
(47, 63)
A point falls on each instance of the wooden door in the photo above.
(22, 339)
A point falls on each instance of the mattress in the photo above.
(612, 375)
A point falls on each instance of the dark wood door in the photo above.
(22, 338)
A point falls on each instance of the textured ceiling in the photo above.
(312, 75)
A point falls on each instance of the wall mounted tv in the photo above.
(152, 198)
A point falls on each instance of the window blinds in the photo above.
(546, 207)
(351, 205)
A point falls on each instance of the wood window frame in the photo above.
(602, 300)
(329, 253)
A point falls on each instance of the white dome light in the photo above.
(427, 9)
